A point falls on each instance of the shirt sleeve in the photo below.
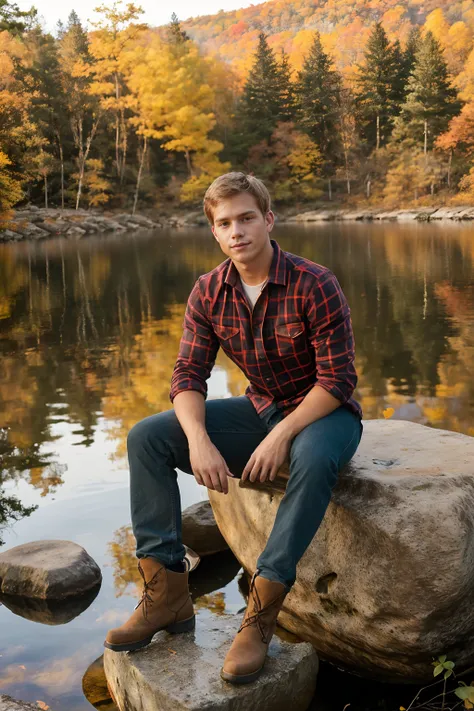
(197, 349)
(332, 338)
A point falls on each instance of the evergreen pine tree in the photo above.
(263, 103)
(411, 48)
(14, 20)
(379, 87)
(175, 34)
(286, 89)
(431, 99)
(317, 92)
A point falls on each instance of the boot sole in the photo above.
(175, 628)
(241, 678)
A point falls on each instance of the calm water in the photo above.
(89, 332)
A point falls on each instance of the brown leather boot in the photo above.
(246, 657)
(165, 605)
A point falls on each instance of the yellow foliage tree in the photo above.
(114, 31)
(10, 189)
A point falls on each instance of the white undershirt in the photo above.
(252, 292)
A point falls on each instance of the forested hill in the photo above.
(343, 24)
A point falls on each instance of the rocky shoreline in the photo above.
(34, 223)
(421, 214)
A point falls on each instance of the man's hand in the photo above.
(269, 456)
(209, 466)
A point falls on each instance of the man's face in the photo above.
(241, 229)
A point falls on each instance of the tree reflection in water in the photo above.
(89, 331)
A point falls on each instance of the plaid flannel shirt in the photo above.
(298, 334)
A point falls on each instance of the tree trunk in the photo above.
(139, 176)
(46, 191)
(62, 172)
(189, 164)
(378, 132)
(124, 145)
(329, 189)
(449, 167)
(83, 155)
(426, 137)
(432, 188)
(117, 128)
(368, 186)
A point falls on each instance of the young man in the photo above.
(284, 320)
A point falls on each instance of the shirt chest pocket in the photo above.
(229, 337)
(290, 338)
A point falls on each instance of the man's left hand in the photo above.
(268, 458)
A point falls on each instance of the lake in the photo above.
(89, 331)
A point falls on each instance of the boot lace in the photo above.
(146, 599)
(258, 611)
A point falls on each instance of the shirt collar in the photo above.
(278, 268)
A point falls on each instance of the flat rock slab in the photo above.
(9, 704)
(387, 583)
(182, 673)
(51, 570)
(200, 530)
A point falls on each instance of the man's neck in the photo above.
(256, 272)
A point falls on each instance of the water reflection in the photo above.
(49, 612)
(93, 327)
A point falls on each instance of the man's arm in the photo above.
(197, 354)
(330, 333)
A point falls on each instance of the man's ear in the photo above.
(269, 220)
(213, 230)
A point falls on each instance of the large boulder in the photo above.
(200, 530)
(387, 583)
(182, 673)
(50, 570)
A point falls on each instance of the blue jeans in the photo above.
(157, 446)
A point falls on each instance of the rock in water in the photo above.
(182, 673)
(49, 570)
(387, 584)
(200, 530)
(9, 704)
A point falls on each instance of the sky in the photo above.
(157, 12)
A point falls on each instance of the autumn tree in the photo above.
(10, 188)
(290, 162)
(317, 92)
(458, 141)
(431, 99)
(114, 31)
(379, 87)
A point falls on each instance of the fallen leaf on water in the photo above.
(42, 705)
(388, 412)
(172, 651)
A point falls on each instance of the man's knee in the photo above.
(151, 430)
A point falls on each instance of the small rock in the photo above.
(76, 231)
(182, 673)
(9, 236)
(9, 704)
(200, 530)
(48, 570)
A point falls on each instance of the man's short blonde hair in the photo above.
(230, 184)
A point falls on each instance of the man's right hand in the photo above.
(209, 466)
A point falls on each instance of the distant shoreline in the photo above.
(34, 223)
